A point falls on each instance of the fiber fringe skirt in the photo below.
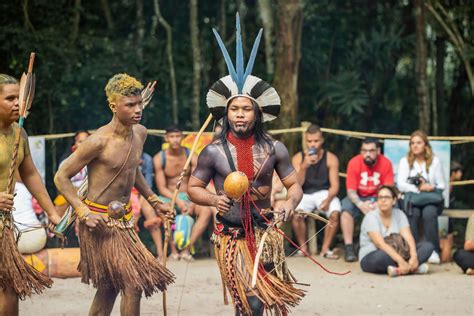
(115, 257)
(15, 272)
(274, 285)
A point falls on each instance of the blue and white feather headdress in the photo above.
(240, 83)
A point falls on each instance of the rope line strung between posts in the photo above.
(355, 134)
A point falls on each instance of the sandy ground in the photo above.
(197, 291)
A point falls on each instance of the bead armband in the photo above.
(82, 212)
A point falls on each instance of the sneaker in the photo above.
(423, 268)
(470, 271)
(434, 258)
(350, 255)
(393, 271)
(187, 257)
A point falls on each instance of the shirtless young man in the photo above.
(168, 166)
(112, 255)
(17, 278)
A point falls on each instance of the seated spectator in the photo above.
(421, 171)
(386, 242)
(446, 243)
(168, 167)
(366, 173)
(464, 258)
(317, 171)
(32, 239)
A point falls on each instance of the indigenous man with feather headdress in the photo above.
(242, 103)
(112, 255)
(17, 278)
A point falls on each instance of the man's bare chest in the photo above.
(119, 155)
(174, 165)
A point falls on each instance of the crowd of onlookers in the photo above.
(399, 231)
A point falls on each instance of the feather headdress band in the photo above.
(240, 82)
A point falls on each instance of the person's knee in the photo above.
(132, 294)
(426, 246)
(334, 217)
(430, 212)
(346, 216)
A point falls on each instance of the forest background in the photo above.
(375, 66)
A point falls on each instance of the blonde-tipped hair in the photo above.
(428, 154)
(122, 85)
(7, 79)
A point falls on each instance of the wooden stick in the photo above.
(314, 216)
(175, 195)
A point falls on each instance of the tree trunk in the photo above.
(169, 51)
(140, 34)
(266, 14)
(108, 15)
(420, 68)
(439, 80)
(27, 22)
(193, 7)
(76, 20)
(449, 26)
(288, 55)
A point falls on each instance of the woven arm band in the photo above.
(154, 200)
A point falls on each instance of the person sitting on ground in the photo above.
(168, 166)
(464, 258)
(366, 173)
(421, 171)
(386, 242)
(318, 174)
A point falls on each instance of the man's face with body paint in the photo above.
(241, 116)
(128, 109)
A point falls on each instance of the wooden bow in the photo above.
(26, 95)
(275, 225)
(175, 195)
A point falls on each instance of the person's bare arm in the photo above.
(288, 177)
(32, 180)
(160, 178)
(333, 167)
(297, 162)
(89, 150)
(141, 185)
(469, 245)
(407, 235)
(201, 177)
(294, 196)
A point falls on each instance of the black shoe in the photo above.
(350, 255)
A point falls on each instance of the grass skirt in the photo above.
(15, 272)
(115, 257)
(235, 262)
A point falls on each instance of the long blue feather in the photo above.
(239, 56)
(253, 55)
(228, 61)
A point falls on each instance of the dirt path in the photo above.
(198, 291)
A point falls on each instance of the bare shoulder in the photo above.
(280, 149)
(141, 131)
(157, 159)
(96, 141)
(332, 158)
